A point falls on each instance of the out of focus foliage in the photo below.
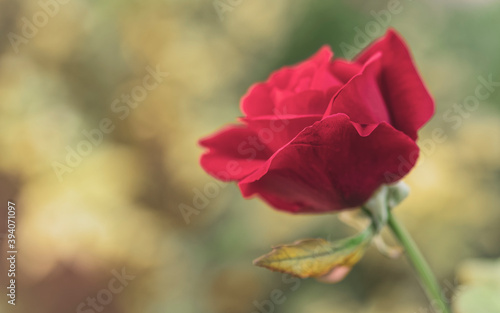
(481, 279)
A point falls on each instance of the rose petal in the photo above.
(234, 153)
(331, 166)
(408, 100)
(361, 98)
(277, 131)
(345, 70)
(247, 147)
(258, 101)
(304, 103)
(311, 75)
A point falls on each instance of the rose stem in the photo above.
(427, 278)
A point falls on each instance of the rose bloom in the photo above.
(324, 134)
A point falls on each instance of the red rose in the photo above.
(324, 134)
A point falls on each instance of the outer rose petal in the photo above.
(277, 131)
(332, 165)
(361, 98)
(312, 74)
(306, 102)
(258, 101)
(234, 153)
(408, 100)
(345, 70)
(237, 151)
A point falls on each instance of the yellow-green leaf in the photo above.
(317, 257)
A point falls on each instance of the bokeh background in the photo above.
(117, 208)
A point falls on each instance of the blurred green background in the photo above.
(67, 66)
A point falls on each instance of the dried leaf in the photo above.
(317, 257)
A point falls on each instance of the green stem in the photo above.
(427, 278)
